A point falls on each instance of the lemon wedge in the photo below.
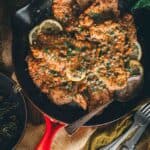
(137, 52)
(136, 68)
(49, 26)
(33, 34)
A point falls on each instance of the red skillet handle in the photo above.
(51, 129)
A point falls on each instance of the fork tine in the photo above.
(142, 107)
(148, 117)
(147, 112)
(146, 108)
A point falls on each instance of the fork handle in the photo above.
(116, 144)
(73, 127)
(130, 144)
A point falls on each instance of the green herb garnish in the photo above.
(100, 53)
(84, 48)
(69, 45)
(94, 15)
(77, 49)
(81, 69)
(119, 83)
(134, 72)
(108, 64)
(100, 17)
(70, 52)
(111, 32)
(80, 29)
(46, 50)
(67, 85)
(55, 73)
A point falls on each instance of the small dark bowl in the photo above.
(8, 91)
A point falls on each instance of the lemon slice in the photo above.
(137, 52)
(75, 75)
(111, 85)
(139, 49)
(49, 26)
(135, 68)
(33, 34)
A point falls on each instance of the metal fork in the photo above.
(141, 121)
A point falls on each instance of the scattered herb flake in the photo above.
(84, 48)
(80, 29)
(108, 65)
(55, 73)
(46, 50)
(100, 53)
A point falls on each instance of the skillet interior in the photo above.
(69, 113)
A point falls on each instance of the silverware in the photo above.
(73, 127)
(144, 117)
(141, 121)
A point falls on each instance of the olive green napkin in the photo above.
(105, 135)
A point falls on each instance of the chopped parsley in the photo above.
(84, 48)
(104, 50)
(134, 72)
(80, 29)
(108, 65)
(81, 69)
(100, 17)
(70, 52)
(67, 85)
(100, 53)
(46, 50)
(111, 32)
(54, 73)
(71, 48)
(94, 15)
(69, 45)
(77, 49)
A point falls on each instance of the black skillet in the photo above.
(9, 88)
(24, 20)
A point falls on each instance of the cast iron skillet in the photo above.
(69, 113)
(8, 87)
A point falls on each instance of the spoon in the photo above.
(123, 95)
